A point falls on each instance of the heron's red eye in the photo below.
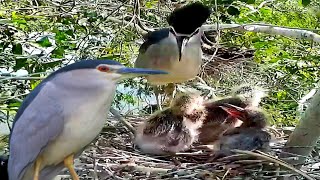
(103, 68)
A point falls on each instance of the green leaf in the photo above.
(250, 1)
(306, 2)
(109, 56)
(225, 18)
(72, 46)
(44, 42)
(34, 83)
(60, 36)
(14, 104)
(17, 48)
(51, 64)
(70, 33)
(224, 2)
(281, 95)
(20, 63)
(233, 11)
(3, 46)
(57, 53)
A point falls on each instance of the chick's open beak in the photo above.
(234, 111)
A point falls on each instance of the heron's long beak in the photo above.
(234, 111)
(139, 71)
(183, 40)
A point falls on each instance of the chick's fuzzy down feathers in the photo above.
(172, 130)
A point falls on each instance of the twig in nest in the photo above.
(189, 168)
(275, 160)
(95, 161)
(117, 115)
(136, 167)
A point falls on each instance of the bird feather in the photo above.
(33, 131)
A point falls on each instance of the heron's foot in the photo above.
(170, 88)
(170, 91)
(157, 94)
(68, 162)
(37, 168)
(166, 103)
(159, 104)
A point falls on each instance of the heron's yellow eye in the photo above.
(103, 68)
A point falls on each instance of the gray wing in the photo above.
(41, 122)
(157, 50)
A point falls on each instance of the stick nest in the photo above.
(113, 156)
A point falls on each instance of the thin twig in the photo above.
(275, 160)
(117, 115)
(21, 78)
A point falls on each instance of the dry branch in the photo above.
(123, 121)
(268, 29)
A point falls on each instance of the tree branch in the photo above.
(303, 100)
(117, 115)
(268, 29)
(306, 134)
(21, 78)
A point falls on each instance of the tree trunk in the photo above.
(306, 134)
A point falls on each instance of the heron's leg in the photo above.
(169, 91)
(68, 162)
(174, 92)
(37, 168)
(157, 94)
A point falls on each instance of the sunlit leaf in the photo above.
(58, 52)
(60, 36)
(14, 104)
(34, 84)
(44, 42)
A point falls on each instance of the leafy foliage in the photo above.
(293, 64)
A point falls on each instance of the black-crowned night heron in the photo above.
(62, 115)
(176, 49)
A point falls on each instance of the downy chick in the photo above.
(251, 95)
(250, 135)
(218, 120)
(250, 116)
(246, 139)
(174, 129)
